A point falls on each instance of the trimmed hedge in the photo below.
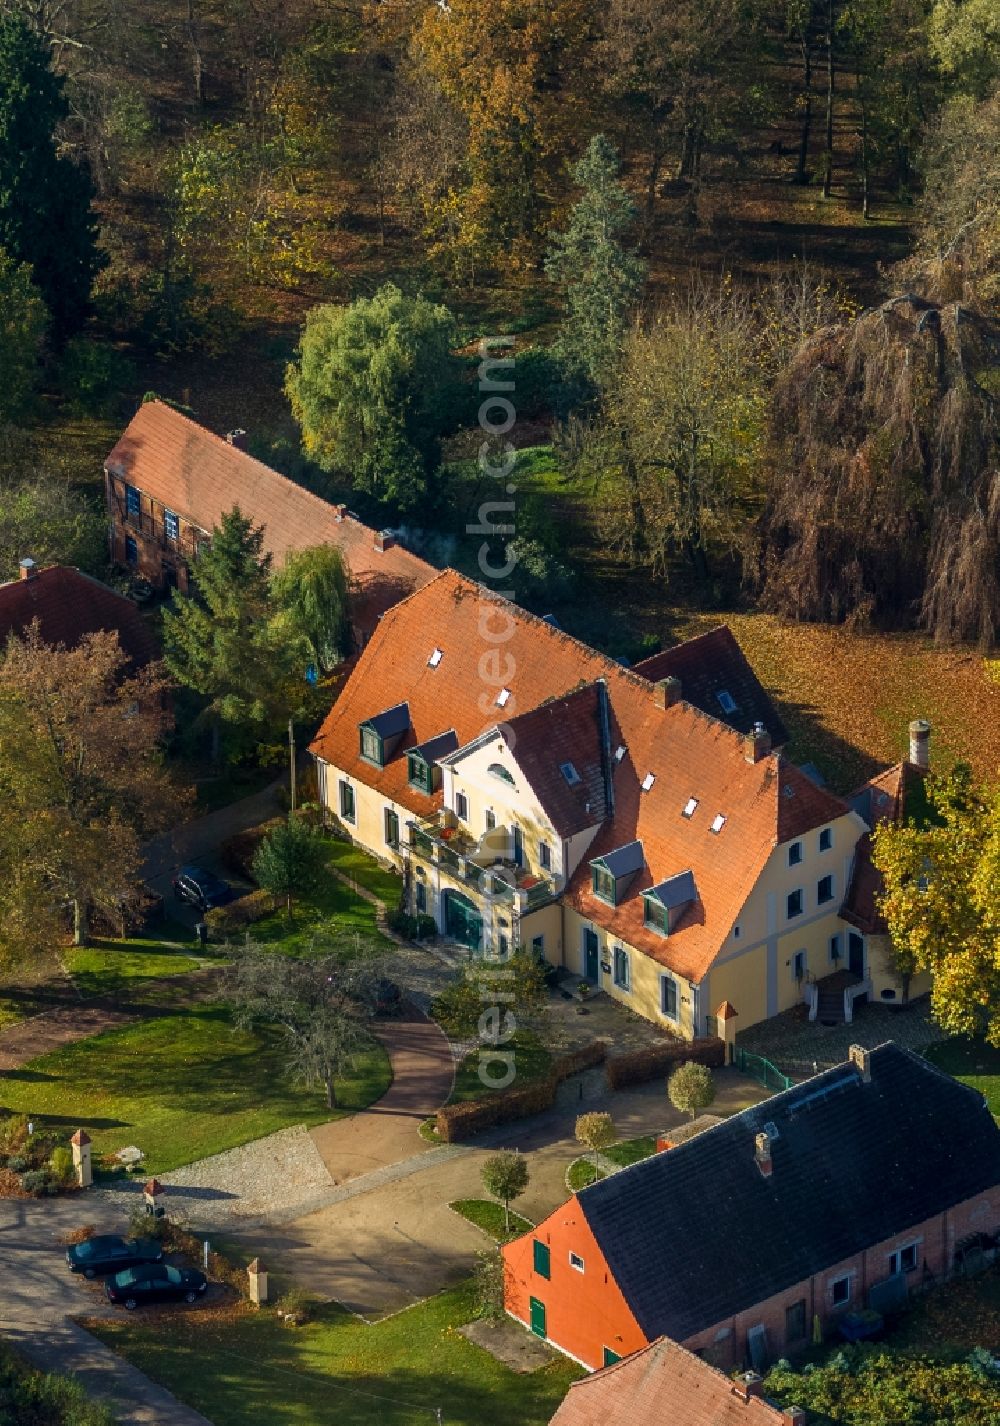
(237, 852)
(640, 1066)
(222, 921)
(457, 1122)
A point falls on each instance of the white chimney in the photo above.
(920, 743)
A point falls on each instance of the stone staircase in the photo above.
(830, 992)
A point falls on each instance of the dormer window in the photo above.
(371, 747)
(498, 770)
(419, 772)
(690, 807)
(613, 874)
(655, 915)
(435, 658)
(665, 903)
(726, 700)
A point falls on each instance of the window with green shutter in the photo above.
(542, 1259)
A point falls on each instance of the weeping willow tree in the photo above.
(884, 498)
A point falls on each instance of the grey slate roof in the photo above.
(675, 891)
(392, 722)
(624, 861)
(437, 747)
(697, 1234)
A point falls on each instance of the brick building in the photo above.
(842, 1193)
(169, 481)
(68, 605)
(665, 1385)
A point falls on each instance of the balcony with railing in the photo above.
(467, 862)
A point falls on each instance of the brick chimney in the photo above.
(762, 1153)
(920, 743)
(384, 540)
(339, 511)
(757, 744)
(28, 569)
(861, 1059)
(667, 692)
(237, 438)
(750, 1384)
(793, 1416)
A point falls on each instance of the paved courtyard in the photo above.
(795, 1044)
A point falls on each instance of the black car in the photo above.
(100, 1256)
(201, 888)
(155, 1282)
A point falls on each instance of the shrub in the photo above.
(426, 927)
(17, 1163)
(640, 1066)
(237, 852)
(222, 921)
(35, 1182)
(13, 1133)
(144, 1225)
(691, 1087)
(295, 1304)
(403, 924)
(61, 1165)
(93, 375)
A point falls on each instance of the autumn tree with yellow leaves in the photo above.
(942, 901)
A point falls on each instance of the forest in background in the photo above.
(752, 190)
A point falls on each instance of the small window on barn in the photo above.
(541, 1258)
(171, 525)
(576, 1262)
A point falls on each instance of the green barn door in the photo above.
(537, 1316)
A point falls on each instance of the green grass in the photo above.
(531, 1061)
(180, 1087)
(580, 1174)
(631, 1151)
(116, 967)
(333, 912)
(973, 1062)
(366, 871)
(337, 1370)
(488, 1215)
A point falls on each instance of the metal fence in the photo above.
(761, 1069)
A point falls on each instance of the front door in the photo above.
(537, 1311)
(856, 955)
(591, 955)
(462, 922)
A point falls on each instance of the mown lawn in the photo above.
(338, 1371)
(180, 1087)
(488, 1215)
(366, 871)
(631, 1151)
(531, 1061)
(116, 967)
(333, 914)
(974, 1062)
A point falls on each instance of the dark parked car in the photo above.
(201, 888)
(388, 998)
(103, 1255)
(155, 1282)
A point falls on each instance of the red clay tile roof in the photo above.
(689, 754)
(200, 476)
(713, 663)
(564, 731)
(69, 605)
(662, 1385)
(882, 799)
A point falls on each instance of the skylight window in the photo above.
(690, 807)
(726, 700)
(648, 781)
(435, 658)
(718, 822)
(620, 752)
(570, 773)
(502, 697)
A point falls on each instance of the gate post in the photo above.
(725, 1018)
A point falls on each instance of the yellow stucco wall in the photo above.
(884, 978)
(643, 994)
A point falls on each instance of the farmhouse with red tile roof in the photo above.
(169, 481)
(69, 605)
(535, 792)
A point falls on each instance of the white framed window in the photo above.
(461, 806)
(737, 931)
(905, 1259)
(171, 525)
(824, 890)
(490, 819)
(799, 965)
(544, 856)
(836, 949)
(669, 999)
(622, 979)
(840, 1291)
(347, 801)
(576, 1262)
(795, 854)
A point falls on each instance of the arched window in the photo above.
(498, 770)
